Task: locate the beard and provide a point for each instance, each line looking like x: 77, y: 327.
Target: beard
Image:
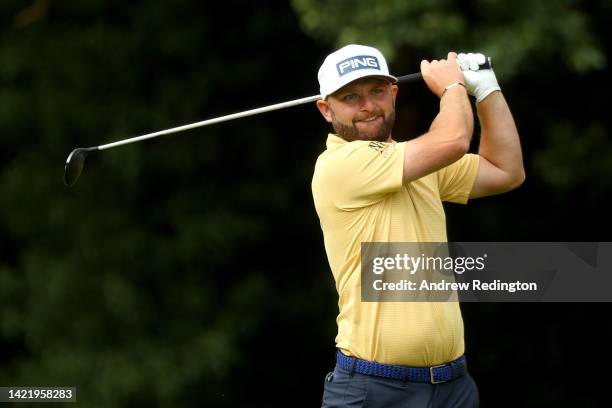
x: 350, y: 132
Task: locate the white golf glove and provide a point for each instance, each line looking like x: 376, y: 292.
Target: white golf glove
x: 479, y: 82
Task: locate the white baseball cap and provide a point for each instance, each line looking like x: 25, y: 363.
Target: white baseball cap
x: 350, y: 63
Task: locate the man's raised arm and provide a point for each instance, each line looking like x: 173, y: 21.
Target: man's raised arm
x: 448, y: 138
x: 501, y: 161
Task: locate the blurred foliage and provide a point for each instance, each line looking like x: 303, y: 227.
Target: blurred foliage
x: 518, y: 33
x: 566, y: 148
x: 146, y: 283
x: 190, y: 270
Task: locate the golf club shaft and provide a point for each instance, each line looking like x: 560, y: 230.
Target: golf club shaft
x: 282, y: 105
x: 225, y: 118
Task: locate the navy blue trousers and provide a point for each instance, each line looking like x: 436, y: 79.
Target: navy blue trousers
x: 345, y: 390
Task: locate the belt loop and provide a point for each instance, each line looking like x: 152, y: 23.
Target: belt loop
x: 352, y: 367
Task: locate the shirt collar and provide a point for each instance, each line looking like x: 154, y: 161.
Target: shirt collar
x: 334, y: 141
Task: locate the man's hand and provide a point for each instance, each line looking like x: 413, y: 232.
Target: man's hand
x: 438, y: 74
x: 479, y: 82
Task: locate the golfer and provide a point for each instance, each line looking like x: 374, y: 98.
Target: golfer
x: 369, y: 188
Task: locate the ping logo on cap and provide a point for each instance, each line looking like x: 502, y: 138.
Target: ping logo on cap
x: 358, y: 62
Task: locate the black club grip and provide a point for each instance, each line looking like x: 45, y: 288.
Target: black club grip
x: 418, y: 76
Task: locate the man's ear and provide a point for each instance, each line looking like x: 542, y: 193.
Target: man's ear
x: 324, y: 109
x: 394, y: 89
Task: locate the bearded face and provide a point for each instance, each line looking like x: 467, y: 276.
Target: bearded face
x: 362, y: 110
x: 374, y: 126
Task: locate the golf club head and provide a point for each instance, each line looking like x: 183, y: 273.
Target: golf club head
x: 74, y: 164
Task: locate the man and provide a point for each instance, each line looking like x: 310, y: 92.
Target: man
x: 368, y: 188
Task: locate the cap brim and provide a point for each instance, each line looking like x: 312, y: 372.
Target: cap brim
x: 389, y: 78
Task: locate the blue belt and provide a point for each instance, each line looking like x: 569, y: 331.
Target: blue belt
x: 434, y: 374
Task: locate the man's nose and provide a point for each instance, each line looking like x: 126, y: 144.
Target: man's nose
x: 367, y: 103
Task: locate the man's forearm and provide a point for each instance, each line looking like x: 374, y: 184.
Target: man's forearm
x: 446, y: 141
x: 499, y: 140
x: 448, y: 138
x: 455, y: 119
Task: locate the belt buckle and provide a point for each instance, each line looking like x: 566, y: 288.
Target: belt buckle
x: 431, y: 374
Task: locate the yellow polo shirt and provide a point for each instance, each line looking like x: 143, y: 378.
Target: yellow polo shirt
x: 359, y: 197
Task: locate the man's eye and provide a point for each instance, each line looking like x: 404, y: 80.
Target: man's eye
x: 349, y: 98
x: 377, y: 91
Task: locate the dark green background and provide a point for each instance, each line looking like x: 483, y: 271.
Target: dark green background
x: 190, y: 270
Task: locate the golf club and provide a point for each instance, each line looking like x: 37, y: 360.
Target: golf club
x: 76, y: 159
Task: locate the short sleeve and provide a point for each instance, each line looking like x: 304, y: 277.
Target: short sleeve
x: 455, y: 182
x: 363, y: 173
